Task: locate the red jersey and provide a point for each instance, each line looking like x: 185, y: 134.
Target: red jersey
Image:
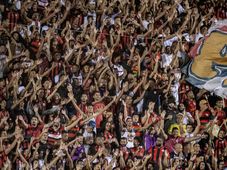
x: 221, y: 115
x: 99, y: 118
x: 83, y: 108
x: 54, y: 137
x: 157, y: 154
x: 171, y: 141
x: 32, y: 131
x: 137, y: 151
x: 108, y: 135
x: 136, y: 127
x: 191, y: 108
x: 125, y: 151
x: 205, y: 118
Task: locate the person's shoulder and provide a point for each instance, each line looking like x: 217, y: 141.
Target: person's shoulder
x: 170, y: 137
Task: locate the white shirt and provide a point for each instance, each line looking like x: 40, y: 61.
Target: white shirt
x: 93, y: 14
x: 170, y: 41
x: 174, y: 90
x: 120, y: 69
x: 166, y: 59
x: 111, y: 18
x: 198, y: 36
x: 145, y: 24
x: 130, y: 137
x: 180, y: 9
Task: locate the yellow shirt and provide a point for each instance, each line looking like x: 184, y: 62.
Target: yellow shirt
x: 175, y: 125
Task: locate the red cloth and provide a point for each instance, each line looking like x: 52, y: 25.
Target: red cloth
x: 54, y: 137
x: 99, y: 118
x: 171, y: 141
x: 221, y: 115
x: 191, y: 108
x: 138, y: 151
x: 136, y: 127
x: 108, y: 135
x: 125, y: 151
x: 13, y: 18
x: 34, y: 131
x: 157, y: 154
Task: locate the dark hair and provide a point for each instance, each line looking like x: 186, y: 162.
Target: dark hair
x: 24, y: 42
x: 190, y: 124
x: 206, y: 167
x: 138, y: 139
x: 175, y: 128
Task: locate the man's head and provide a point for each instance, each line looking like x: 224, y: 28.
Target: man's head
x: 97, y: 96
x: 135, y: 118
x: 159, y: 142
x: 221, y: 165
x: 75, y: 68
x: 191, y: 95
x: 171, y: 103
x: 108, y: 126
x: 56, y: 125
x: 152, y: 130
x: 3, y: 49
x: 99, y: 140
x: 117, y: 21
x: 34, y: 121
x: 203, y: 104
x: 44, y: 137
x: 123, y: 141
x: 129, y: 122
x: 128, y: 100
x: 136, y: 141
x: 79, y: 165
x: 181, y: 107
x: 97, y: 166
x: 179, y: 118
x: 80, y: 138
x: 175, y: 132
x: 189, y: 128
x: 219, y: 103
x: 131, y: 29
x: 3, y: 105
x: 65, y: 136
x: 84, y: 98
x: 151, y: 105
x: 47, y: 84
x: 90, y: 109
x: 36, y: 16
x: 90, y: 19
x: 178, y: 148
x: 221, y: 134
x: 196, y: 148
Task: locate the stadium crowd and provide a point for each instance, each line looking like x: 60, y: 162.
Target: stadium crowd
x: 97, y: 84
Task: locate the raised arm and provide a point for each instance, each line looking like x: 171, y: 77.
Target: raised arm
x: 162, y: 125
x: 71, y: 96
x: 196, y: 131
x: 74, y: 123
x: 193, y: 139
x: 24, y: 124
x: 56, y: 88
x: 50, y: 16
x: 99, y: 112
x: 12, y: 145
